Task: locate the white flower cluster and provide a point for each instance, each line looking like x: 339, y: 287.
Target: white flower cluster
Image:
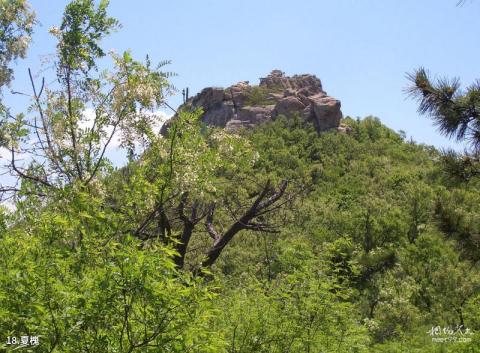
x: 55, y: 31
x: 20, y: 45
x: 146, y: 94
x: 371, y: 324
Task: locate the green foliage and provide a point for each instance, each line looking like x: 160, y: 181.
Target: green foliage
x: 382, y: 218
x: 106, y: 294
x: 461, y: 168
x: 374, y: 251
x: 371, y: 245
x: 71, y: 124
x: 16, y: 26
x: 458, y: 216
x: 454, y: 112
x: 259, y: 96
x: 82, y: 28
x: 299, y: 312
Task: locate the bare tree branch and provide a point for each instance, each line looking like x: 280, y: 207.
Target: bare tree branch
x: 260, y: 205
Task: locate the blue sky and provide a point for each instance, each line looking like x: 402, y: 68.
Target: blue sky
x: 361, y: 50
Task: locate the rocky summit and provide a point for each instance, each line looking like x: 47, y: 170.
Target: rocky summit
x: 244, y: 106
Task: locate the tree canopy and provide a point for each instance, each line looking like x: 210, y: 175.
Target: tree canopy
x: 275, y: 239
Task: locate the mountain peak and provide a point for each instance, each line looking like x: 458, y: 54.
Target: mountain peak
x: 243, y: 105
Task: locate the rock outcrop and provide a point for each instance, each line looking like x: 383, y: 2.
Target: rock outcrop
x: 244, y: 106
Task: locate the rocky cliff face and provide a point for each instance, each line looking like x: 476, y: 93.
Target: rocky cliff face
x: 244, y: 106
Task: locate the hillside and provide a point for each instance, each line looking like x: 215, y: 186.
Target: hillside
x: 258, y: 219
x: 375, y: 246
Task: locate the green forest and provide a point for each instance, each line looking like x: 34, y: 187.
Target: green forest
x: 274, y: 239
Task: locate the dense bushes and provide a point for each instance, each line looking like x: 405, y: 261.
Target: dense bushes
x: 373, y: 252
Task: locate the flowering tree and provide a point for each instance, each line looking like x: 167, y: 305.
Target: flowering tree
x: 64, y: 145
x: 101, y: 250
x: 175, y: 183
x: 16, y: 24
x: 194, y: 183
